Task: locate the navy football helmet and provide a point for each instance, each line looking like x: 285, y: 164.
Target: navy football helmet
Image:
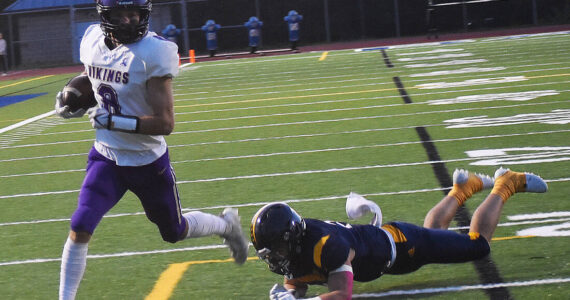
x: 276, y: 231
x: 122, y: 33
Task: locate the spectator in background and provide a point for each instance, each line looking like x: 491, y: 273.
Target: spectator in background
x: 211, y: 29
x: 293, y: 19
x: 3, y: 61
x: 171, y: 33
x: 254, y: 31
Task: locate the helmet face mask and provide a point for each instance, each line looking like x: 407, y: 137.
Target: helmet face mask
x: 276, y: 232
x: 277, y: 262
x: 117, y: 31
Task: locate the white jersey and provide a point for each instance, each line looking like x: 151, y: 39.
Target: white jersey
x: 119, y: 79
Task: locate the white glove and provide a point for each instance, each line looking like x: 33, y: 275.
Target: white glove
x: 63, y: 110
x: 278, y: 292
x: 99, y: 117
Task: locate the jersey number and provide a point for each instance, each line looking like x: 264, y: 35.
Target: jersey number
x: 110, y: 99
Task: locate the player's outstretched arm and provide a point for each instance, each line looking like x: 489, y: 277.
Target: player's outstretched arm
x: 339, y: 282
x: 161, y: 99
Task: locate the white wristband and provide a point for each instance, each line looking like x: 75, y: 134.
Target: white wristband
x: 124, y: 123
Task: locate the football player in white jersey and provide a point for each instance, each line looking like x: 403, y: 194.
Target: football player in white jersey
x: 131, y: 71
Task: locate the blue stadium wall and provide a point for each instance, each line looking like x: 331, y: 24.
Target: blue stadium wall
x: 44, y: 38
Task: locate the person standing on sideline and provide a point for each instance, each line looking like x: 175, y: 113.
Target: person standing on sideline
x: 293, y: 19
x: 131, y: 71
x: 3, y: 60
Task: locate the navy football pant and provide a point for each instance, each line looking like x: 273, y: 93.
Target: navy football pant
x: 154, y: 184
x: 417, y: 246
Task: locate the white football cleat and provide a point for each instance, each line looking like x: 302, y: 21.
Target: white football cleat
x: 460, y: 176
x: 529, y: 183
x: 235, y: 239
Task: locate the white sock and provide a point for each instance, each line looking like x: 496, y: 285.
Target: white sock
x: 73, y: 262
x: 201, y: 224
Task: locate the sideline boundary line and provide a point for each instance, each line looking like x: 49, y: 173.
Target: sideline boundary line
x: 464, y: 288
x: 26, y: 122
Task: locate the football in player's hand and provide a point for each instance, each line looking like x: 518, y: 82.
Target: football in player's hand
x: 78, y: 93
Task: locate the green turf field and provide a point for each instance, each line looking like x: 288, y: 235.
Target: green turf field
x: 308, y: 129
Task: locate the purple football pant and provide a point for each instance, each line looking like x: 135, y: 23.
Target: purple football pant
x: 154, y: 184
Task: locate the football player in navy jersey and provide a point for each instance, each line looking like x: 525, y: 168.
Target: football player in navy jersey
x: 310, y: 251
x: 131, y: 72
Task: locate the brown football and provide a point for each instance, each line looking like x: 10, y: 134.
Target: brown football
x: 78, y: 93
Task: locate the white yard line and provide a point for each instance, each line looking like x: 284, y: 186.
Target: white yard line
x: 291, y: 76
x: 301, y: 112
x: 209, y: 247
x: 266, y: 85
x: 298, y: 152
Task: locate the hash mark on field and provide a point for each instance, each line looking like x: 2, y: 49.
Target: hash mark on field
x: 431, y: 52
x: 459, y: 71
x: 447, y: 63
x: 443, y: 56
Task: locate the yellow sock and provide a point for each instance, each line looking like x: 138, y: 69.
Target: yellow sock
x: 474, y: 235
x: 508, y: 184
x: 465, y: 190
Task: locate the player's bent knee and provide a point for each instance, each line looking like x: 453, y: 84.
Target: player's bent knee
x: 170, y: 238
x: 172, y: 232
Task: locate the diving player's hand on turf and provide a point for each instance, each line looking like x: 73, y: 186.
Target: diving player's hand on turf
x: 99, y: 117
x: 278, y: 292
x: 64, y: 111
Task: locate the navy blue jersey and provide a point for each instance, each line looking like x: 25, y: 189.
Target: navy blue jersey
x: 325, y: 247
